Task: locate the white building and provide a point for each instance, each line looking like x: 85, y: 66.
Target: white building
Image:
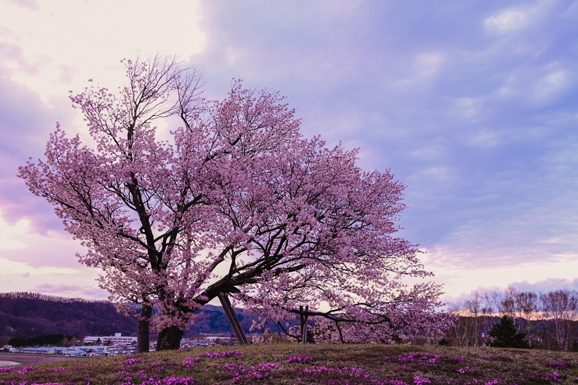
x: 116, y: 339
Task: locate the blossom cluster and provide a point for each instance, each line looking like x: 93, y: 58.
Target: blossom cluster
x: 423, y: 358
x: 254, y: 372
x: 345, y: 371
x: 300, y: 359
x: 190, y: 361
x: 466, y: 370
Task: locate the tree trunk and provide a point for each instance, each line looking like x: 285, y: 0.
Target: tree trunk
x: 170, y: 338
x: 142, y: 329
x: 303, y: 318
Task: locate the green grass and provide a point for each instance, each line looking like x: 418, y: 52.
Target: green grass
x: 318, y: 364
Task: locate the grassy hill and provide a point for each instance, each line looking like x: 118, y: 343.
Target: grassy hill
x: 311, y: 364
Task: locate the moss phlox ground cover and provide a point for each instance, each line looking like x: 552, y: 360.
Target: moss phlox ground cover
x: 310, y: 364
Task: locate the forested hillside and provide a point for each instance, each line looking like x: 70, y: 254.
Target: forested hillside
x: 33, y: 314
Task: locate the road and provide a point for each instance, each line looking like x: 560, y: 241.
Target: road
x: 34, y: 358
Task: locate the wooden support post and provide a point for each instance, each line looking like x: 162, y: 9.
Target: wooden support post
x: 233, y: 320
x: 303, y: 318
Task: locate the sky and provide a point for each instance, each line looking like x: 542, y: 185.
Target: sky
x: 473, y: 105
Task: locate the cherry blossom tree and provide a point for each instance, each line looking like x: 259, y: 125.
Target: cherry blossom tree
x: 236, y: 202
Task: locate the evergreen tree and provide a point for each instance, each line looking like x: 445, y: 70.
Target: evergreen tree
x: 505, y: 335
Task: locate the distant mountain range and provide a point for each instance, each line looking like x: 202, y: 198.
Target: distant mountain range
x: 33, y: 314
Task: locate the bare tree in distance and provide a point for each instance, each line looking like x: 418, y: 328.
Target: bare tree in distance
x: 474, y: 305
x: 560, y: 309
x: 549, y: 320
x: 527, y: 304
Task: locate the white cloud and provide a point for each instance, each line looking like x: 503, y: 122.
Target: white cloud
x: 551, y: 85
x: 71, y: 290
x: 428, y: 153
x: 10, y: 234
x: 424, y: 67
x: 468, y: 108
x: 428, y: 64
x: 21, y: 276
x: 19, y: 242
x: 546, y: 285
x: 437, y: 174
x: 506, y: 21
x: 483, y: 138
x: 21, y: 268
x: 537, y: 86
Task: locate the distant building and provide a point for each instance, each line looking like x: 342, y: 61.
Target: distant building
x: 116, y: 339
x: 37, y: 350
x: 9, y: 348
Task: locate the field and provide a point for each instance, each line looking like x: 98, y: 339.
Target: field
x: 310, y: 364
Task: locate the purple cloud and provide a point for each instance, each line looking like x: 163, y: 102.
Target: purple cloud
x: 25, y: 122
x: 64, y: 290
x: 547, y: 285
x: 30, y: 4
